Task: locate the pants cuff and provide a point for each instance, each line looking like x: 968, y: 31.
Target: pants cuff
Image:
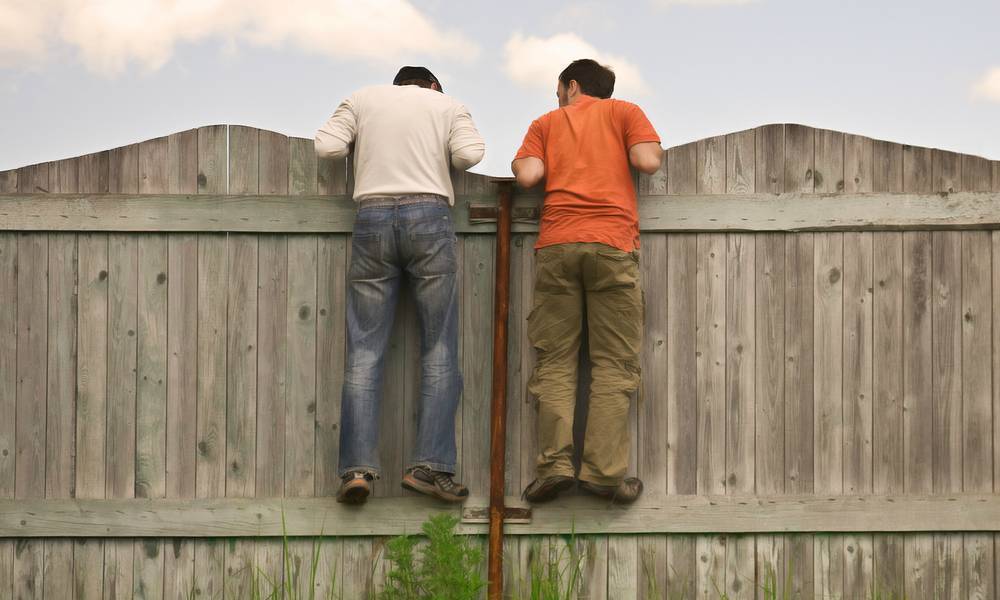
x: 434, y: 466
x: 591, y: 476
x: 360, y: 469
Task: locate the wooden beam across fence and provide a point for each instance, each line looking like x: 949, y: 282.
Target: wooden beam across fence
x: 243, y: 517
x: 335, y: 214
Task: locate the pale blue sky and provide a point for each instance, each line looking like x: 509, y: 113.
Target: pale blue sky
x: 917, y: 72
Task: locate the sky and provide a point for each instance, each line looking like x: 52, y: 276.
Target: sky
x: 78, y: 76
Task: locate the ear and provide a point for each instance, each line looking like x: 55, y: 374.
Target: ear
x: 435, y: 87
x: 573, y: 88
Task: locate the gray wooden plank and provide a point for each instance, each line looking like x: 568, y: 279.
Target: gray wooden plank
x: 977, y: 401
x: 682, y: 444
x: 652, y: 410
x: 477, y: 369
x: 8, y: 181
x: 210, y: 458
x: 121, y: 402
x: 61, y: 385
x: 711, y: 165
x: 710, y: 372
x: 182, y: 399
x: 273, y: 165
x: 799, y: 407
x: 123, y: 166
x: 241, y: 398
x: 203, y: 562
x: 182, y: 163
x: 681, y: 213
x: 740, y: 410
x: 623, y: 568
x: 770, y: 158
x: 946, y: 168
x: 672, y: 514
x: 769, y: 477
x: 272, y: 306
x: 8, y: 387
x: 857, y: 342
x: 151, y: 354
x: 887, y: 387
x: 242, y: 352
x: 887, y: 174
x: 917, y: 172
x: 800, y: 159
x: 244, y: 160
x: 30, y: 443
x: 211, y: 162
x: 975, y: 173
x: 330, y: 352
x: 93, y: 173
x: 859, y: 163
x: 828, y: 425
x: 829, y: 174
x: 91, y: 410
x: 741, y: 162
x: 682, y: 169
x: 947, y: 374
x: 301, y: 375
x: 151, y: 402
x: 917, y: 401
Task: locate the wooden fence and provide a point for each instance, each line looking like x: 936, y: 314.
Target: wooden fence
x: 819, y: 398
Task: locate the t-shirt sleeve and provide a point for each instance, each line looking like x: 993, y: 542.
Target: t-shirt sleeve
x: 638, y: 129
x: 533, y: 144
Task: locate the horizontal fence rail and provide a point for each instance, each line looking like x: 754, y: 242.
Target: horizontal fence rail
x: 335, y: 214
x: 275, y: 517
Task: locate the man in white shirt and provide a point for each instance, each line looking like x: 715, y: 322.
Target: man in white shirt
x: 405, y: 137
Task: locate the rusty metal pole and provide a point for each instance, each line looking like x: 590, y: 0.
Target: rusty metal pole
x: 498, y: 403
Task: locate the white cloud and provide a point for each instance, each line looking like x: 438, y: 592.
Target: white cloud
x: 666, y: 3
x: 111, y: 34
x: 988, y: 87
x: 536, y: 62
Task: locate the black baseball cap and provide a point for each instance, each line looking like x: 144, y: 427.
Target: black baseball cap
x: 423, y: 73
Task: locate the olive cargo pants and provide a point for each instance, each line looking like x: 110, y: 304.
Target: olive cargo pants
x: 574, y: 281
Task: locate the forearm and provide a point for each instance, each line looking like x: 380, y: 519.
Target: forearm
x: 646, y: 157
x: 528, y: 171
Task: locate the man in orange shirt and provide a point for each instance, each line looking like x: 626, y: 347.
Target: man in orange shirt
x: 587, y: 267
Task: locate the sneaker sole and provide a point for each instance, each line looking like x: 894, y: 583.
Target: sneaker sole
x: 420, y: 487
x: 552, y: 492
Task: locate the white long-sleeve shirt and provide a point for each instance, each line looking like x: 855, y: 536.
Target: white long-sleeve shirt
x: 404, y: 139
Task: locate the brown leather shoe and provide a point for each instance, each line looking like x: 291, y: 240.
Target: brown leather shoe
x: 355, y: 487
x: 543, y: 490
x: 626, y: 492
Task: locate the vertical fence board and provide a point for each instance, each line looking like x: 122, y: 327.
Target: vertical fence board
x: 859, y: 163
x: 300, y: 366
x: 8, y: 383
x: 829, y: 405
x: 241, y: 358
x: 158, y: 173
x: 977, y: 388
x: 272, y: 299
x: 61, y: 387
x: 858, y: 290
x: 946, y: 374
x: 121, y: 416
x: 740, y: 412
x: 652, y: 410
x: 829, y: 175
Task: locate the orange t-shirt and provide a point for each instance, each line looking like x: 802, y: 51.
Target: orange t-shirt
x: 589, y: 194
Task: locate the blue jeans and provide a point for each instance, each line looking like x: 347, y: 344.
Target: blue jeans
x: 412, y: 236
